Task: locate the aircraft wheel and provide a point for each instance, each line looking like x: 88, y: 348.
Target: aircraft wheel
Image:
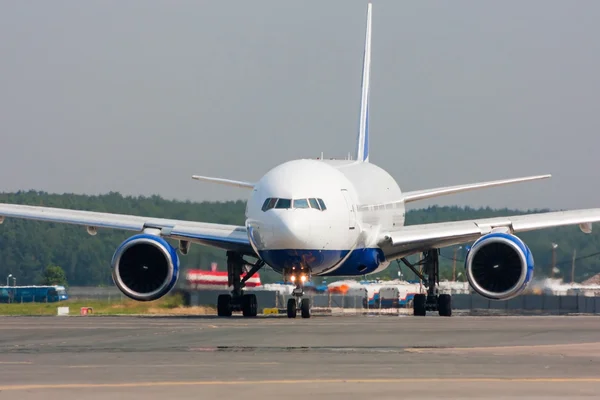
x: 291, y: 308
x: 305, y: 308
x: 445, y: 305
x: 249, y: 305
x: 419, y: 304
x: 224, y: 305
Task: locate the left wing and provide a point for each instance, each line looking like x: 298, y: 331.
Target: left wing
x: 416, y: 238
x: 230, y: 182
x: 228, y: 237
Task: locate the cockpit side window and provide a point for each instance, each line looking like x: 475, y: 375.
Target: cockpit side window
x: 314, y: 203
x: 269, y: 203
x: 265, y: 205
x: 301, y: 203
x: 322, y: 204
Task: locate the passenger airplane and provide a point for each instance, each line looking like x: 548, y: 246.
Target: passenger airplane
x: 315, y: 217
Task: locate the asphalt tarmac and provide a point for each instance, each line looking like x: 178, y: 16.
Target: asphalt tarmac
x: 349, y: 357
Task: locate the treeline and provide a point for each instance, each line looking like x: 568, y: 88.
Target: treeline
x: 28, y: 247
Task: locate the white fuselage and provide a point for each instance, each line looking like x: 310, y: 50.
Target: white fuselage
x: 337, y: 240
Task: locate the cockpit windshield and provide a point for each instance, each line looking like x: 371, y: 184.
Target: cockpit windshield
x: 283, y: 203
x: 271, y: 202
x: 301, y: 203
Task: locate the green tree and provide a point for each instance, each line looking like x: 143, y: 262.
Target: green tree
x: 54, y: 275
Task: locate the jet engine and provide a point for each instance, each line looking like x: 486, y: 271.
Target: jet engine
x: 499, y: 266
x: 145, y: 267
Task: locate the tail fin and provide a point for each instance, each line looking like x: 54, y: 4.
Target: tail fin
x: 362, y: 145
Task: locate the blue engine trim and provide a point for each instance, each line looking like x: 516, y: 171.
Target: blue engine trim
x: 359, y: 262
x: 172, y: 254
x: 524, y: 249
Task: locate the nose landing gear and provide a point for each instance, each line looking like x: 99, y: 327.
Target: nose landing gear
x: 300, y: 277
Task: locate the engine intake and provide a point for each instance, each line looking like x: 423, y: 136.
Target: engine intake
x: 499, y: 266
x: 145, y: 267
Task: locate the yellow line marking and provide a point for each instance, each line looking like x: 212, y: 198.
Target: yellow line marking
x: 294, y: 381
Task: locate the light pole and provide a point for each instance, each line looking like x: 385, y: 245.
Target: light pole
x: 454, y: 263
x: 573, y: 266
x: 7, y: 279
x: 554, y: 246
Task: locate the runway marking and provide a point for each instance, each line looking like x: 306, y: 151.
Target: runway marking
x: 294, y: 382
x: 497, y: 348
x: 163, y: 365
x: 16, y: 362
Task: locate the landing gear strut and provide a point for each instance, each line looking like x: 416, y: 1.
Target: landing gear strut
x: 298, y: 302
x: 433, y: 300
x: 238, y: 300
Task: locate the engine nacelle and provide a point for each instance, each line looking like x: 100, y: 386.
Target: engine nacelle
x: 499, y: 266
x: 145, y: 267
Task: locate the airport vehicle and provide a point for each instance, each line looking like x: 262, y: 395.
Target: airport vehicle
x: 33, y: 294
x: 316, y: 217
x: 201, y: 279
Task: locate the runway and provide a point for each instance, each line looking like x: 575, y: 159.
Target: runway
x: 384, y: 357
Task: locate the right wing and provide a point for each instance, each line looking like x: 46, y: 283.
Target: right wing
x: 408, y: 197
x: 411, y: 239
x: 228, y: 237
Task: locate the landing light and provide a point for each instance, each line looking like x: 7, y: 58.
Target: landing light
x: 303, y: 278
x: 293, y: 278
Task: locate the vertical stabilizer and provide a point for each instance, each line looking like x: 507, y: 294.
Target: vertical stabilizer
x: 362, y: 145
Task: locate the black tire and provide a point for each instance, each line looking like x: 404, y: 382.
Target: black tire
x: 305, y: 308
x: 249, y: 305
x: 419, y: 305
x: 224, y: 305
x: 445, y: 305
x: 291, y: 308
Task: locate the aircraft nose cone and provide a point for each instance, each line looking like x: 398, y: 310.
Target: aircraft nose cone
x: 282, y: 230
x: 294, y: 244
x: 293, y: 231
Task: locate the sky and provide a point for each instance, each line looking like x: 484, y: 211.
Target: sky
x: 137, y: 96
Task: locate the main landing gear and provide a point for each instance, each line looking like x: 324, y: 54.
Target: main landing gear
x: 238, y: 300
x: 297, y: 303
x: 432, y: 301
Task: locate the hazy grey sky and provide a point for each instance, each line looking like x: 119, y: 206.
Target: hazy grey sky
x: 136, y: 96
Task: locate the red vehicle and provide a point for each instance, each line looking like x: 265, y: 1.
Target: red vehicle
x: 202, y: 279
